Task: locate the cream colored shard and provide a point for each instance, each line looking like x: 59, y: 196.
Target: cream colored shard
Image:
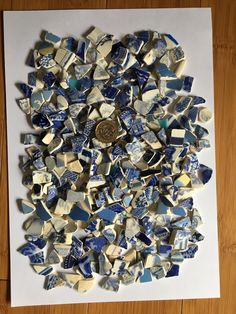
x: 142, y: 165
x: 64, y: 84
x: 153, y: 123
x: 94, y: 115
x: 48, y: 229
x: 45, y: 187
x: 131, y: 61
x: 104, y: 168
x: 90, y: 200
x: 37, y: 57
x: 151, y: 139
x: 166, y: 265
x: 50, y: 163
x: 104, y: 47
x: 71, y: 227
x: 46, y: 49
x: 142, y: 107
x: 71, y: 279
x: 113, y: 250
x: 61, y: 160
x: 152, y: 260
x: 71, y: 157
x: 48, y: 137
x: 150, y: 57
x: 96, y: 35
x: 106, y: 110
x: 204, y: 115
x: 85, y: 204
x: 182, y: 181
x: 81, y: 70
x: 73, y: 196
x: 64, y: 57
x: 98, y: 156
x: 55, y: 70
x: 31, y: 150
x: 96, y: 181
x: 62, y: 103
x: 34, y: 226
x: 25, y: 105
x: 102, y: 63
x: 69, y: 123
x: 100, y: 74
x: 62, y: 249
x: 195, y: 181
x: 184, y: 192
x: 85, y: 285
x: 96, y: 233
x: 171, y: 44
x: 196, y: 219
x: 132, y: 227
x: 75, y: 166
x: 130, y: 256
x: 119, y: 264
x: 60, y: 171
x: 149, y: 95
x: 39, y: 269
x: 165, y: 59
x: 41, y: 177
x: 55, y: 144
x: 53, y: 258
x: 58, y: 223
x: 53, y: 281
x: 63, y: 207
x: 95, y: 96
x: 179, y: 68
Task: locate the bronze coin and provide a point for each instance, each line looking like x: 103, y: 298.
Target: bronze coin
x: 106, y: 131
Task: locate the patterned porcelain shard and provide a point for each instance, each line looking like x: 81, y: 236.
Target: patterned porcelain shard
x: 113, y: 164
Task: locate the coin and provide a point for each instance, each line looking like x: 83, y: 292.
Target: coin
x: 106, y: 131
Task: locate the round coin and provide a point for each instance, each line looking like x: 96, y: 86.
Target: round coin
x: 106, y: 131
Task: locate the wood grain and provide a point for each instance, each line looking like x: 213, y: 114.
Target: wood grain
x: 224, y: 44
x: 4, y: 252
x: 112, y: 4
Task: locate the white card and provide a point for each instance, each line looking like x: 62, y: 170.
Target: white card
x: 199, y: 277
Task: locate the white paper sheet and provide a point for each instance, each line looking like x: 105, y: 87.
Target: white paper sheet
x: 199, y: 278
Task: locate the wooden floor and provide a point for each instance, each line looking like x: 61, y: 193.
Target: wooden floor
x: 224, y: 28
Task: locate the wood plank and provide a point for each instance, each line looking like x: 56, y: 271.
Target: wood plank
x: 5, y: 5
x: 57, y: 4
x: 150, y: 307
x: 4, y: 251
x: 111, y: 4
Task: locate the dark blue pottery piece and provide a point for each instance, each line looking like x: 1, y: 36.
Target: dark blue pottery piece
x: 174, y: 271
x: 27, y: 249
x: 204, y: 173
x: 96, y: 243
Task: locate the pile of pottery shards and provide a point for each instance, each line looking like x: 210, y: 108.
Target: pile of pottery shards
x: 113, y: 161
